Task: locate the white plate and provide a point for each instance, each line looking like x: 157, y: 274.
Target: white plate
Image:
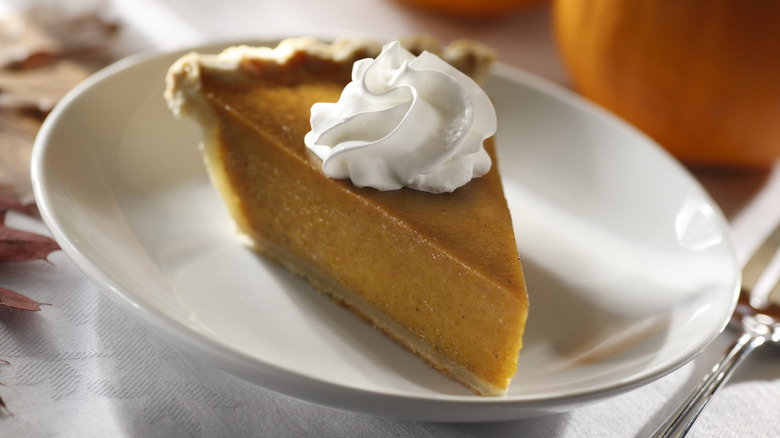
x: 629, y: 263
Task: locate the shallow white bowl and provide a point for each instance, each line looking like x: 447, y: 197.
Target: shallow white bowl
x: 629, y: 263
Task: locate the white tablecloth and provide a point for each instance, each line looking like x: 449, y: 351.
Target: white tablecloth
x: 83, y: 367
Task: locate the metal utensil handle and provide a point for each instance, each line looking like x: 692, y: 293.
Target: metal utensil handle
x: 678, y: 425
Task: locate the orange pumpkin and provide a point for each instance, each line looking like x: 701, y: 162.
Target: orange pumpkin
x: 473, y: 8
x: 702, y: 77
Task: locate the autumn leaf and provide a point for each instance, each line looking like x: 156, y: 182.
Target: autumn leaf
x: 44, y: 35
x: 2, y: 402
x: 22, y: 246
x: 15, y: 300
x: 44, y: 53
x: 10, y: 202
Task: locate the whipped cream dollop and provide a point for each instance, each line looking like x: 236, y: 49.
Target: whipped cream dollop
x: 404, y: 121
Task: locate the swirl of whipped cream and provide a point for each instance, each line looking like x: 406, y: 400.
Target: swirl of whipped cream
x: 404, y: 121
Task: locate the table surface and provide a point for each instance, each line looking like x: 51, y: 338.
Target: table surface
x: 84, y: 367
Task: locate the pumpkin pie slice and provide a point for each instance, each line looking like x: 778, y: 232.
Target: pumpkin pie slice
x: 439, y: 273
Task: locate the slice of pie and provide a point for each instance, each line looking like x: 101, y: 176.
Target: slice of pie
x: 439, y: 273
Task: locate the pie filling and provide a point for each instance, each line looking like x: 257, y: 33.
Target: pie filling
x: 439, y: 273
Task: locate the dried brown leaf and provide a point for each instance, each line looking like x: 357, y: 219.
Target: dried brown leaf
x: 4, y: 406
x: 17, y: 134
x: 2, y: 402
x: 10, y: 202
x: 43, y: 55
x: 22, y: 246
x: 41, y: 88
x: 15, y: 300
x: 46, y: 34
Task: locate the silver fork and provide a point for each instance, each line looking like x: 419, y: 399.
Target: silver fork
x: 758, y: 317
